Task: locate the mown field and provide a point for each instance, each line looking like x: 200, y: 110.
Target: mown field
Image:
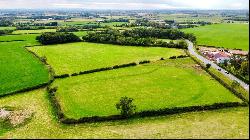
x: 18, y: 68
x: 171, y: 83
x: 76, y: 57
x: 223, y: 123
x: 222, y: 35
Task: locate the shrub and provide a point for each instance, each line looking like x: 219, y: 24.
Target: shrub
x: 172, y: 57
x: 208, y: 66
x: 126, y: 107
x: 144, y: 62
x: 74, y: 74
x: 235, y: 84
x: 62, y: 76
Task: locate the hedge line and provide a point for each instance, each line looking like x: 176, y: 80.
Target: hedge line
x: 26, y: 89
x: 12, y: 40
x: 55, y: 104
x: 114, y: 67
x: 239, y: 95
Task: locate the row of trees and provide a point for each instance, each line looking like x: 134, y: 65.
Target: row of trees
x: 57, y: 37
x: 116, y: 20
x: 4, y: 32
x: 237, y: 66
x: 67, y: 29
x: 138, y: 37
x: 172, y: 34
x: 6, y: 22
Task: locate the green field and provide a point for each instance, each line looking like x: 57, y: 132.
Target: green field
x: 80, y: 33
x: 76, y: 57
x: 222, y: 35
x: 33, y: 31
x: 18, y: 68
x: 25, y: 39
x: 166, y: 84
x: 7, y: 28
x: 223, y: 123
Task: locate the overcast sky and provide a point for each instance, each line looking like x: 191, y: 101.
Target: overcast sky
x: 126, y: 4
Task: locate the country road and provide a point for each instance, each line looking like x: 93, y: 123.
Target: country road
x: 192, y: 51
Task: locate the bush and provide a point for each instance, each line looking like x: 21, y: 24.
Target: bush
x: 126, y: 107
x: 235, y: 84
x: 182, y: 56
x: 144, y: 62
x: 57, y: 37
x: 62, y: 76
x: 172, y: 57
x: 208, y: 66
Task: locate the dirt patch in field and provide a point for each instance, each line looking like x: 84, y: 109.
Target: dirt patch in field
x: 15, y: 117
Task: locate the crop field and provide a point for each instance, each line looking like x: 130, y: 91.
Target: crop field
x: 152, y: 86
x: 18, y: 68
x: 76, y: 57
x: 33, y: 31
x: 222, y: 35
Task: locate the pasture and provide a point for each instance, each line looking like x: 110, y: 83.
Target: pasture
x: 76, y: 57
x: 33, y: 31
x: 165, y: 84
x: 222, y: 35
x: 18, y: 68
x: 223, y: 123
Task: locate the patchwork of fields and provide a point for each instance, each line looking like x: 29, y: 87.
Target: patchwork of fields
x: 222, y: 35
x: 160, y: 84
x: 76, y: 57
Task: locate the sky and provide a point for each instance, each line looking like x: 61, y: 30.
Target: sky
x: 126, y: 4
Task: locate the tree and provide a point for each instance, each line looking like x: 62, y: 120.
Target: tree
x: 208, y: 65
x: 244, y: 69
x: 235, y: 84
x: 126, y: 106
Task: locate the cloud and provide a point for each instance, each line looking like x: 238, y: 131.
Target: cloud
x: 126, y: 4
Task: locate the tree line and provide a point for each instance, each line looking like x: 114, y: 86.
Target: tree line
x: 141, y: 37
x: 57, y: 37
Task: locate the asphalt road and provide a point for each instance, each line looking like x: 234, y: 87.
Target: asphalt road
x: 192, y: 51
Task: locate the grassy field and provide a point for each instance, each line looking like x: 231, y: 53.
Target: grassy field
x: 7, y: 28
x: 80, y: 33
x: 25, y: 39
x: 223, y: 35
x: 18, y: 68
x: 171, y: 83
x: 33, y: 31
x: 225, y: 123
x: 76, y: 57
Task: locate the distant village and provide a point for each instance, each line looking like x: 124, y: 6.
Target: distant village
x: 220, y: 55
